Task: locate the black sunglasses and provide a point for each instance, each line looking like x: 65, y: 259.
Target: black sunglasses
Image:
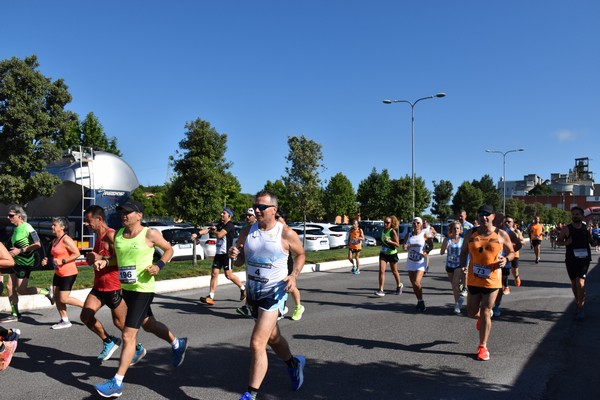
x: 484, y: 214
x: 262, y: 207
x: 11, y: 215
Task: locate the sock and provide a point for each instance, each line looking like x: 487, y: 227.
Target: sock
x: 65, y: 319
x: 175, y: 344
x: 119, y: 379
x: 253, y: 392
x: 211, y: 295
x: 108, y: 339
x: 43, y: 291
x: 243, y: 287
x: 291, y: 363
x: 14, y: 309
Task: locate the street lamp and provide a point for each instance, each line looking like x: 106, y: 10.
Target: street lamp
x: 503, y: 173
x: 412, y: 106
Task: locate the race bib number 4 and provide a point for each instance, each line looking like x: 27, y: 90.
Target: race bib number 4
x: 127, y: 274
x: 481, y: 271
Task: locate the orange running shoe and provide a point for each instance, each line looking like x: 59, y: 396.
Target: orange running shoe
x: 207, y: 300
x: 517, y: 281
x: 482, y: 353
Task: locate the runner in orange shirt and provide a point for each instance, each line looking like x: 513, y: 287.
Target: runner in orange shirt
x: 536, y: 234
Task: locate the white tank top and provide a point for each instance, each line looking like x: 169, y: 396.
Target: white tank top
x: 266, y: 261
x: 416, y: 246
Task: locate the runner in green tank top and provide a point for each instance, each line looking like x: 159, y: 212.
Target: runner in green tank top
x: 134, y: 247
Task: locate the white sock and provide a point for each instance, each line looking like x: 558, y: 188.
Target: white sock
x: 119, y: 379
x: 211, y: 295
x: 65, y: 320
x: 175, y: 344
x: 243, y: 287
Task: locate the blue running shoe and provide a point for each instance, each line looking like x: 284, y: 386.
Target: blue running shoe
x: 246, y: 396
x: 179, y: 354
x: 110, y: 388
x: 109, y: 348
x: 297, y: 373
x: 14, y: 335
x: 140, y: 352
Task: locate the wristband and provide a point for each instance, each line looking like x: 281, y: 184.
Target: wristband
x: 160, y: 264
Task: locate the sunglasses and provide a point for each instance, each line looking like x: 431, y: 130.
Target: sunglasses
x: 11, y: 215
x: 262, y: 207
x: 484, y: 214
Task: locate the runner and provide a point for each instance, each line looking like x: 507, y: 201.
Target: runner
x: 134, y: 248
x: 453, y: 243
x: 24, y: 242
x: 466, y: 225
x: 536, y: 234
x: 8, y: 345
x: 577, y: 239
x: 64, y: 252
x: 509, y: 223
x: 416, y: 262
x: 355, y: 238
x: 265, y: 247
x: 225, y: 233
x: 482, y: 250
x: 250, y: 219
x: 281, y: 216
x: 389, y: 254
x: 107, y: 288
x: 596, y: 237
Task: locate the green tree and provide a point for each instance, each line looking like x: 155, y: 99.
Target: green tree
x: 541, y: 189
x: 442, y: 194
x: 469, y: 198
x: 32, y: 120
x: 491, y: 195
x: 515, y: 208
x: 373, y: 195
x: 279, y: 189
x: 93, y: 135
x: 305, y: 160
x: 154, y: 199
x: 339, y: 197
x: 200, y: 181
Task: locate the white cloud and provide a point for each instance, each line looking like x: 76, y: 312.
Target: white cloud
x: 566, y: 136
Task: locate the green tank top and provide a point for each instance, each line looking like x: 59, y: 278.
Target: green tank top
x: 384, y: 237
x: 133, y: 257
x: 21, y: 238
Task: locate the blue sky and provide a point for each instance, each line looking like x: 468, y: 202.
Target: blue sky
x: 517, y: 74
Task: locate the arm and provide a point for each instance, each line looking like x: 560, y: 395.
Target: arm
x: 464, y: 250
x: 296, y: 249
x: 563, y: 237
x: 236, y: 253
x: 6, y: 260
x: 444, y: 246
x: 72, y: 249
x: 155, y: 239
x: 200, y: 233
x: 508, y: 249
x: 362, y: 235
x: 393, y: 240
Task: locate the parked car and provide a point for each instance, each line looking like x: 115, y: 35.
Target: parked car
x: 372, y: 228
x: 404, y: 231
x: 209, y: 240
x: 338, y: 237
x: 369, y: 241
x: 181, y: 241
x: 315, y: 239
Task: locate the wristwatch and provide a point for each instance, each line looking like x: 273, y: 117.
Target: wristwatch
x: 64, y: 261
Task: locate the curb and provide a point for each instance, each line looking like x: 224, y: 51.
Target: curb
x: 34, y: 302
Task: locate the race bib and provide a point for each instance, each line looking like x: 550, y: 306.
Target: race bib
x: 414, y: 256
x: 355, y: 241
x: 127, y: 274
x: 481, y: 271
x: 580, y: 253
x: 453, y: 259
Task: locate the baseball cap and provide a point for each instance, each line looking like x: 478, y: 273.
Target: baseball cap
x: 131, y: 206
x: 485, y: 209
x: 250, y: 211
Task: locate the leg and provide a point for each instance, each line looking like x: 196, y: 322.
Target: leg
x: 394, y: 268
x: 128, y: 350
x: 454, y: 278
x: 415, y: 280
x: 357, y: 258
x: 90, y: 307
x: 382, y: 265
x: 233, y: 278
x: 263, y: 333
x: 157, y: 328
x: 214, y: 279
x: 487, y: 302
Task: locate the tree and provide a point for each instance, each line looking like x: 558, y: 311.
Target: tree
x: 541, y: 189
x: 154, y: 199
x: 200, y: 182
x: 373, y: 195
x: 93, y: 135
x: 278, y: 189
x: 32, y: 121
x: 491, y: 195
x: 442, y: 194
x: 339, y: 197
x: 469, y: 198
x: 302, y: 180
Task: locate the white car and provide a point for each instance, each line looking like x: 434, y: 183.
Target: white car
x: 180, y: 240
x: 338, y: 237
x: 315, y: 239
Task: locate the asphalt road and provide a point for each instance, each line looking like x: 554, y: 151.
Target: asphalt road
x: 358, y: 346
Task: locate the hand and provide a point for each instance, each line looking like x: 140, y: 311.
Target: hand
x: 291, y: 283
x: 92, y: 257
x: 234, y: 251
x: 502, y: 261
x: 100, y: 264
x: 153, y: 270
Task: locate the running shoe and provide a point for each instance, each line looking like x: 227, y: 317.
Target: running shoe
x: 243, y: 311
x: 140, y: 352
x: 379, y: 293
x: 285, y: 310
x: 580, y: 314
x: 11, y: 318
x: 246, y: 396
x: 496, y: 312
x: 482, y: 353
x: 517, y: 281
x: 109, y: 348
x: 297, y: 373
x: 298, y: 311
x: 456, y: 308
x: 13, y: 335
x: 421, y: 306
x: 110, y: 388
x: 50, y: 295
x: 179, y: 353
x: 242, y: 294
x: 506, y: 290
x: 7, y: 353
x: 353, y: 270
x: 399, y: 288
x: 62, y: 325
x: 357, y: 272
x: 207, y: 300
x: 461, y: 301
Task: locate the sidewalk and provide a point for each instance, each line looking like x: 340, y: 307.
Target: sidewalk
x: 34, y: 302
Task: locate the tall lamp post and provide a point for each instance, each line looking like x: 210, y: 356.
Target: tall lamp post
x: 503, y: 153
x: 412, y: 107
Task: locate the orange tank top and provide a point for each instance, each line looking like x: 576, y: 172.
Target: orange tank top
x: 354, y: 242
x: 60, y: 252
x: 483, y: 261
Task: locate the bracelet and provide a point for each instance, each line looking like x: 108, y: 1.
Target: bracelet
x: 160, y: 264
